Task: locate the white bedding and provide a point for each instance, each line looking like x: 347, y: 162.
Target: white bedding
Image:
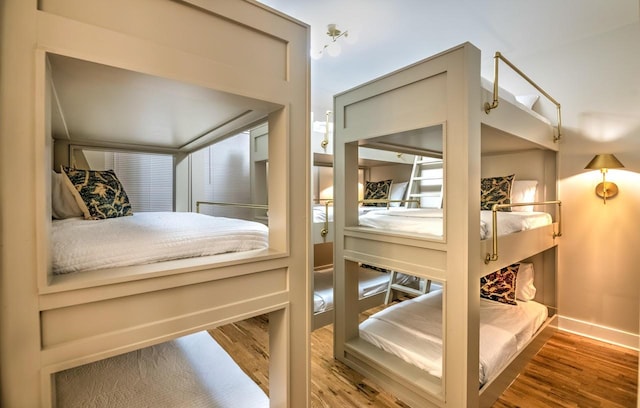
x: 147, y: 237
x: 192, y: 371
x: 370, y: 282
x: 412, y: 330
x: 428, y: 221
x: 320, y: 212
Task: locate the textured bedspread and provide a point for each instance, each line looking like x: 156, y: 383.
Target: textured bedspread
x: 79, y: 245
x: 429, y: 221
x: 192, y: 371
x: 412, y: 330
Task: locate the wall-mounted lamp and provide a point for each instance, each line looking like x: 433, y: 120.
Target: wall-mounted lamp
x: 603, y: 162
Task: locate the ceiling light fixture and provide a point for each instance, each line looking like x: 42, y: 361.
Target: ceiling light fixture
x: 333, y: 48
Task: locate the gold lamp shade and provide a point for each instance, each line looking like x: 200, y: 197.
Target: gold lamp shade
x: 603, y: 162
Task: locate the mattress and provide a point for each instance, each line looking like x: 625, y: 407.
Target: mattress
x: 371, y: 282
x: 192, y: 371
x: 148, y: 237
x: 428, y: 221
x: 412, y: 330
x: 320, y: 212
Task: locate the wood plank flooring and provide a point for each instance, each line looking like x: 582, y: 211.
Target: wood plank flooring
x: 569, y: 371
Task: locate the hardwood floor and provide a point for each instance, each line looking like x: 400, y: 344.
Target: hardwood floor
x: 569, y: 371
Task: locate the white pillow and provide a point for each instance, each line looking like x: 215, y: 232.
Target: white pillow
x: 527, y: 100
x: 523, y: 191
x: 525, y: 290
x: 397, y: 192
x: 63, y: 203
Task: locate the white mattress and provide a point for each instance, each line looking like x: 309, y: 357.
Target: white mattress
x: 428, y: 221
x: 320, y: 212
x: 192, y: 371
x: 147, y: 237
x: 412, y: 330
x: 371, y: 282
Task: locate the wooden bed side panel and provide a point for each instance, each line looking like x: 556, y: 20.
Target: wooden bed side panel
x: 515, y: 247
x: 184, y: 24
x: 87, y: 323
x: 375, y: 115
x: 422, y: 262
x: 513, y: 119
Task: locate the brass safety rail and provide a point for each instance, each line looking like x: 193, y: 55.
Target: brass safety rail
x: 325, y: 229
x: 489, y: 106
x: 237, y: 205
x: 494, y: 215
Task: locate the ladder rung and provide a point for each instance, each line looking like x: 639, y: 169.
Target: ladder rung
x: 428, y: 194
x: 406, y: 289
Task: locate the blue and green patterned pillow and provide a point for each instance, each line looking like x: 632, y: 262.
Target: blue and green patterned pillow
x: 377, y: 190
x: 99, y: 194
x: 500, y: 286
x: 496, y: 190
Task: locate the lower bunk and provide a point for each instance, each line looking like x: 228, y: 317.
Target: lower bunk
x: 191, y: 371
x: 373, y: 289
x: 401, y: 347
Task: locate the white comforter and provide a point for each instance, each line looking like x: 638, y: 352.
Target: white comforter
x: 147, y: 237
x: 428, y: 221
x: 192, y: 371
x: 412, y: 330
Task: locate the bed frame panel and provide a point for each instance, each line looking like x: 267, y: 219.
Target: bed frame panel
x: 63, y: 322
x: 440, y: 90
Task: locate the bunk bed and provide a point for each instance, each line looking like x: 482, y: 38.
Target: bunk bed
x: 159, y: 88
x: 373, y: 283
x: 438, y: 112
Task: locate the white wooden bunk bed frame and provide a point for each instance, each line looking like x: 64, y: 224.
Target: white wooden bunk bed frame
x: 440, y: 91
x: 60, y: 322
x: 323, y: 234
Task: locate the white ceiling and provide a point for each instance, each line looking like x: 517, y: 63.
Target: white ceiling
x: 550, y: 40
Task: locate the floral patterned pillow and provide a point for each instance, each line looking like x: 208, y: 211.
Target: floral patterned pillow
x: 496, y: 190
x: 99, y: 194
x: 377, y: 190
x: 500, y: 286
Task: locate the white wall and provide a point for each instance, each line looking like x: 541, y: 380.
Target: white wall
x: 599, y: 88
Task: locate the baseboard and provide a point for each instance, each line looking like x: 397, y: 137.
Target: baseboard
x: 598, y: 332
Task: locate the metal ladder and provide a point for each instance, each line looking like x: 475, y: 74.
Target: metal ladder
x: 425, y: 185
x: 426, y: 181
x: 424, y: 287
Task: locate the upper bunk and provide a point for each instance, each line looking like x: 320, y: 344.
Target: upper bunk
x: 512, y: 139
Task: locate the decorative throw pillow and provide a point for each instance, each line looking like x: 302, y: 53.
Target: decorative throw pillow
x: 525, y: 288
x: 99, y: 194
x: 500, y: 286
x: 496, y: 190
x: 63, y: 202
x: 377, y: 190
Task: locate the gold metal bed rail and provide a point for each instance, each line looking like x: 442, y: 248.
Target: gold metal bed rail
x: 325, y: 228
x: 238, y: 205
x: 494, y: 218
x: 488, y: 106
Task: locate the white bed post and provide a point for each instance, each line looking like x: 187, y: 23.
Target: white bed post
x: 462, y: 206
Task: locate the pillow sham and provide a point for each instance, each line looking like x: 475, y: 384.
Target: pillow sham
x: 397, y: 193
x: 527, y: 100
x: 99, y: 194
x: 523, y: 191
x: 63, y: 203
x: 378, y: 190
x: 500, y: 286
x: 496, y: 190
x: 525, y: 289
